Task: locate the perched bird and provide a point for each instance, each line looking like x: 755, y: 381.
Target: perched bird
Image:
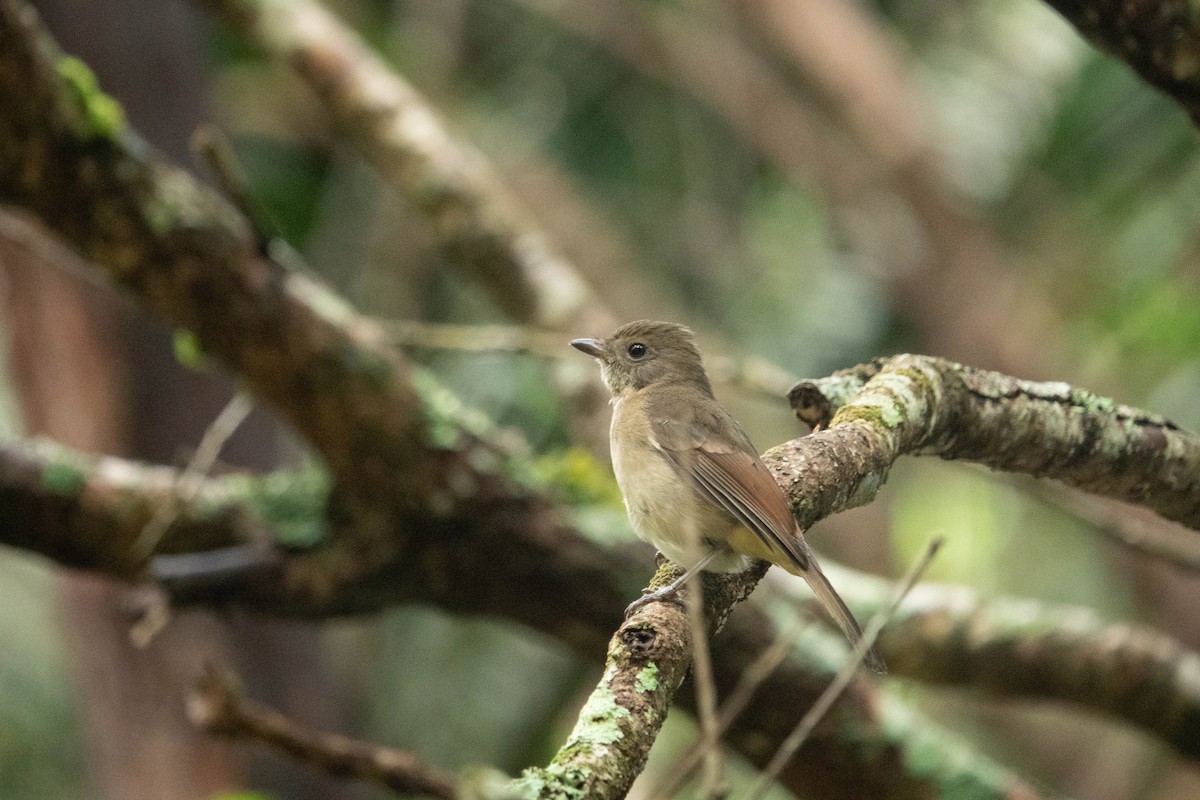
x: 677, y: 453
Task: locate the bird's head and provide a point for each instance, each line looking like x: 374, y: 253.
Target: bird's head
x: 644, y: 353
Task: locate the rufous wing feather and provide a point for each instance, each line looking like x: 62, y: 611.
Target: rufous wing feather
x: 719, y: 460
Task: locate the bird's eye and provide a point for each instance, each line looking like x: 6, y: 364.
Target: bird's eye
x: 637, y: 350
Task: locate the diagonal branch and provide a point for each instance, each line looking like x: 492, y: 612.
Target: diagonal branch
x: 216, y: 706
x: 476, y: 222
x: 187, y: 256
x: 1159, y: 39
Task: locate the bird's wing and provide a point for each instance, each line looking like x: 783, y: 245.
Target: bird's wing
x: 716, y: 455
x: 711, y: 449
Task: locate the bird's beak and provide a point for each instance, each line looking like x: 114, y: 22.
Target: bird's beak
x: 592, y: 347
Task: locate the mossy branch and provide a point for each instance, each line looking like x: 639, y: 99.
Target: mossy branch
x: 921, y: 405
x: 86, y: 511
x: 1010, y: 647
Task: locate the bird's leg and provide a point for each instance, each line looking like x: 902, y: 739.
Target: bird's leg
x: 669, y: 592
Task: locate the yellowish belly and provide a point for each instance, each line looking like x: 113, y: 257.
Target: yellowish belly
x: 657, y: 501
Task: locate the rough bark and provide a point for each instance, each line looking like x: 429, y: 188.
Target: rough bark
x: 1160, y: 40
x: 929, y: 406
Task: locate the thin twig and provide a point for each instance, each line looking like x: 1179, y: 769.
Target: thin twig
x: 751, y: 678
x: 752, y: 375
x: 762, y: 667
x: 801, y: 732
x: 706, y: 692
x: 217, y: 707
x: 1129, y: 526
x: 157, y: 611
x: 519, y: 339
x: 191, y: 480
x: 211, y: 148
x: 702, y: 669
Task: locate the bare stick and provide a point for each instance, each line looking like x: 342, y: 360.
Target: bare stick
x: 702, y: 669
x: 191, y: 480
x: 768, y: 660
x: 1128, y: 526
x: 217, y: 707
x: 519, y: 339
x: 801, y: 732
x: 751, y: 374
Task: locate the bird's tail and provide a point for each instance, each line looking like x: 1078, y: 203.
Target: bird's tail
x: 834, y: 604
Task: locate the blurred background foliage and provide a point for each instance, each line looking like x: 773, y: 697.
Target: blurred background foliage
x: 1085, y: 181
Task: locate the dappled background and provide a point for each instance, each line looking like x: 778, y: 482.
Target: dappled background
x: 810, y: 183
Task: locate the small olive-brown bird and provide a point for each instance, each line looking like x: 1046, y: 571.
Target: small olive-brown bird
x: 670, y: 436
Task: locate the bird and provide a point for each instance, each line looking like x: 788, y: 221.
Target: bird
x: 689, y: 473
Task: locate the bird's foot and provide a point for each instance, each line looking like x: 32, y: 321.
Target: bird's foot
x: 667, y: 594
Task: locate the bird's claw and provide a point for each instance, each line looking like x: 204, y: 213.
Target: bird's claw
x: 668, y: 594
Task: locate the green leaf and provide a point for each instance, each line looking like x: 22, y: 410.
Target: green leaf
x: 188, y: 350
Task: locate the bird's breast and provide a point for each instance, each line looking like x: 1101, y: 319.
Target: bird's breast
x: 658, y: 500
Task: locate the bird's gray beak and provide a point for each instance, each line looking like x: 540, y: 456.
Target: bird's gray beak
x: 592, y: 347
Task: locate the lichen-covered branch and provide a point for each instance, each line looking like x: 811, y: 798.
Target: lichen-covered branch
x: 217, y: 707
x: 187, y: 256
x: 647, y: 660
x: 87, y: 511
x: 951, y: 635
x: 648, y: 657
x: 928, y: 406
x: 1159, y: 39
x: 606, y: 751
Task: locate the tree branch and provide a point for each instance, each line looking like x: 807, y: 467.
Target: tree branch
x: 1160, y: 40
x: 949, y: 635
x: 929, y: 406
x: 217, y: 707
x: 88, y: 512
x: 476, y: 222
x: 572, y: 588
